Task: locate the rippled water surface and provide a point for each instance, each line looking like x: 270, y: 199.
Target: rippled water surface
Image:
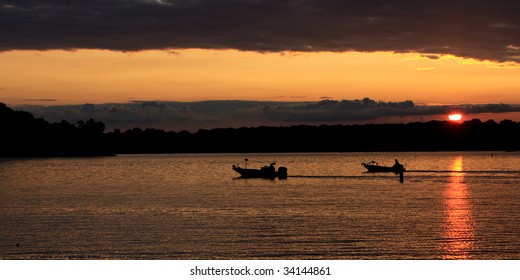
x: 451, y: 206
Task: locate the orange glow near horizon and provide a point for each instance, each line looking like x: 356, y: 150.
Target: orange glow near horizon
x: 459, y: 230
x: 100, y: 76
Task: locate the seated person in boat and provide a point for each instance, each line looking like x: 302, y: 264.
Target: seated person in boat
x: 269, y: 168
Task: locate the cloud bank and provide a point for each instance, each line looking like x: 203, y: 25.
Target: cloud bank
x: 480, y: 29
x: 222, y: 114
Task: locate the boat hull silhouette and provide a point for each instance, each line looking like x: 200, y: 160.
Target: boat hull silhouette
x: 266, y: 173
x: 374, y: 167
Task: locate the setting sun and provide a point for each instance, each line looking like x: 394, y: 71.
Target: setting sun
x: 455, y: 117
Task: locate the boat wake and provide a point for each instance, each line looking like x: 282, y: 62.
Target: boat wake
x: 334, y: 176
x: 465, y: 171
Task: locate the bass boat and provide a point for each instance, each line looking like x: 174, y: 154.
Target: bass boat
x: 267, y: 172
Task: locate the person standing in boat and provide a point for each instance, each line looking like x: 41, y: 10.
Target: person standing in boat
x: 398, y: 166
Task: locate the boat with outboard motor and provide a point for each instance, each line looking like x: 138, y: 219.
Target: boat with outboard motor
x: 267, y: 172
x: 375, y: 167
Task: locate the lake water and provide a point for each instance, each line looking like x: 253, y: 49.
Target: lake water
x: 461, y: 205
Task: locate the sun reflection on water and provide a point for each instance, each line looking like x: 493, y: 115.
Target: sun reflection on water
x: 459, y: 231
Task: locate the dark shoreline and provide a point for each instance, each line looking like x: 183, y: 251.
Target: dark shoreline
x: 26, y: 136
x: 238, y: 153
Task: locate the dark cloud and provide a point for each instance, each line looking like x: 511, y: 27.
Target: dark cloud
x: 432, y: 56
x: 213, y: 114
x: 481, y: 29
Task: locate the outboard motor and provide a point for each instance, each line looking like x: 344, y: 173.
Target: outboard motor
x: 282, y: 172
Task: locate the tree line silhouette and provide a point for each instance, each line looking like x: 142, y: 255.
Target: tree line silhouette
x: 26, y: 136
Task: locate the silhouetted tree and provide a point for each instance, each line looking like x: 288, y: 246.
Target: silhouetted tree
x: 24, y: 135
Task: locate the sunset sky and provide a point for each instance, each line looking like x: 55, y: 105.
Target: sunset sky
x: 64, y: 54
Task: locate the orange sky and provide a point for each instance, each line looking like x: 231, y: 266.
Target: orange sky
x: 97, y: 76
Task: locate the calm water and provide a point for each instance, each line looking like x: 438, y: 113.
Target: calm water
x: 193, y: 207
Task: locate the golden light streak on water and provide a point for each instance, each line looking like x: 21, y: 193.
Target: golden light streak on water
x: 459, y: 230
